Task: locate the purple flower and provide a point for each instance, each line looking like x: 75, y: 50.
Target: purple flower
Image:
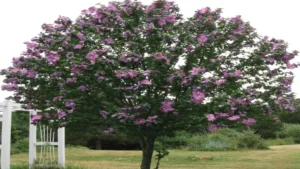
x: 58, y: 98
x: 63, y: 124
x: 147, y: 72
x: 31, y: 45
x: 56, y: 74
x: 71, y: 80
x: 139, y: 121
x: 225, y: 74
x: 78, y: 46
x: 108, y: 41
x: 189, y: 48
x: 59, y: 26
x: 221, y: 115
x: 204, y: 10
x: 103, y: 114
x: 10, y: 87
x: 92, y: 9
x: 276, y: 120
x: 82, y: 88
x: 92, y: 57
x: 233, y: 118
x: 221, y: 58
x: 237, y: 73
x: 211, y: 117
x: 61, y: 115
x: 70, y: 103
x: 249, y: 121
x: 146, y: 82
x: 47, y: 115
x: 109, y: 130
x: 195, y: 71
x: 197, y: 97
x: 151, y: 118
x: 235, y: 19
x: 231, y: 37
x: 80, y: 36
x: 30, y: 73
x: 52, y: 58
x: 36, y: 118
x: 166, y: 106
x: 270, y: 59
x: 220, y: 82
x: 131, y: 73
x: 202, y: 39
x: 100, y: 78
x: 161, y: 22
x: 111, y: 7
x: 170, y: 18
x: 212, y: 127
x: 291, y: 66
x: 149, y: 8
x: 239, y: 30
x: 292, y: 109
x: 160, y: 56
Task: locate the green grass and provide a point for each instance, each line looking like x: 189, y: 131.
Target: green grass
x: 278, y: 157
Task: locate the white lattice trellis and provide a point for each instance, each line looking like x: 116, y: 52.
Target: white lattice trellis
x: 48, y: 139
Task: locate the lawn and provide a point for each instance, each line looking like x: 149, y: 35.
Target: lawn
x: 278, y: 157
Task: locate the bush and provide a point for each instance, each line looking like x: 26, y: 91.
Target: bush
x: 226, y: 139
x: 280, y: 141
x: 267, y: 128
x: 291, y: 130
x: 230, y: 133
x: 210, y: 142
x: 20, y: 146
x: 179, y: 140
x: 250, y: 140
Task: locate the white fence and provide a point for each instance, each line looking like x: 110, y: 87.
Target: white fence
x: 7, y: 108
x: 47, y: 145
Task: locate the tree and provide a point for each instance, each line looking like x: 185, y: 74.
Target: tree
x: 292, y: 118
x: 150, y: 72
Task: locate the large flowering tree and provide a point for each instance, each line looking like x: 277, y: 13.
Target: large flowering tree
x: 150, y: 71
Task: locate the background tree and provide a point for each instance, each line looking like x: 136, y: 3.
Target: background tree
x: 292, y: 118
x: 148, y: 71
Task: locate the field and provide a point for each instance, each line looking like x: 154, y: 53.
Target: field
x: 278, y: 157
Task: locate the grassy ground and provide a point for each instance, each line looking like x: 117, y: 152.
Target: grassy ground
x: 278, y: 157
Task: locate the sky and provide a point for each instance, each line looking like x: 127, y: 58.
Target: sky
x: 21, y: 20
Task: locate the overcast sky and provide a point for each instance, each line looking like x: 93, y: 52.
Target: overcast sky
x: 20, y: 20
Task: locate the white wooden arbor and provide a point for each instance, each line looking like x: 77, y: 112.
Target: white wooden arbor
x: 47, y: 138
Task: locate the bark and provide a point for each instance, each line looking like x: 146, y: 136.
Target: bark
x: 147, y: 144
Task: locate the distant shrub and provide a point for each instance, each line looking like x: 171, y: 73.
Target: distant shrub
x: 210, y: 142
x: 280, y: 141
x: 230, y: 133
x: 20, y: 146
x: 250, y: 140
x: 179, y: 140
x: 226, y: 139
x: 267, y: 128
x: 290, y: 130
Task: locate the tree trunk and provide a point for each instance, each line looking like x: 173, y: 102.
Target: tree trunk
x: 147, y: 144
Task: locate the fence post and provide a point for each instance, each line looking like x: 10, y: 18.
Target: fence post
x: 32, y: 141
x: 61, y: 146
x: 6, y: 135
